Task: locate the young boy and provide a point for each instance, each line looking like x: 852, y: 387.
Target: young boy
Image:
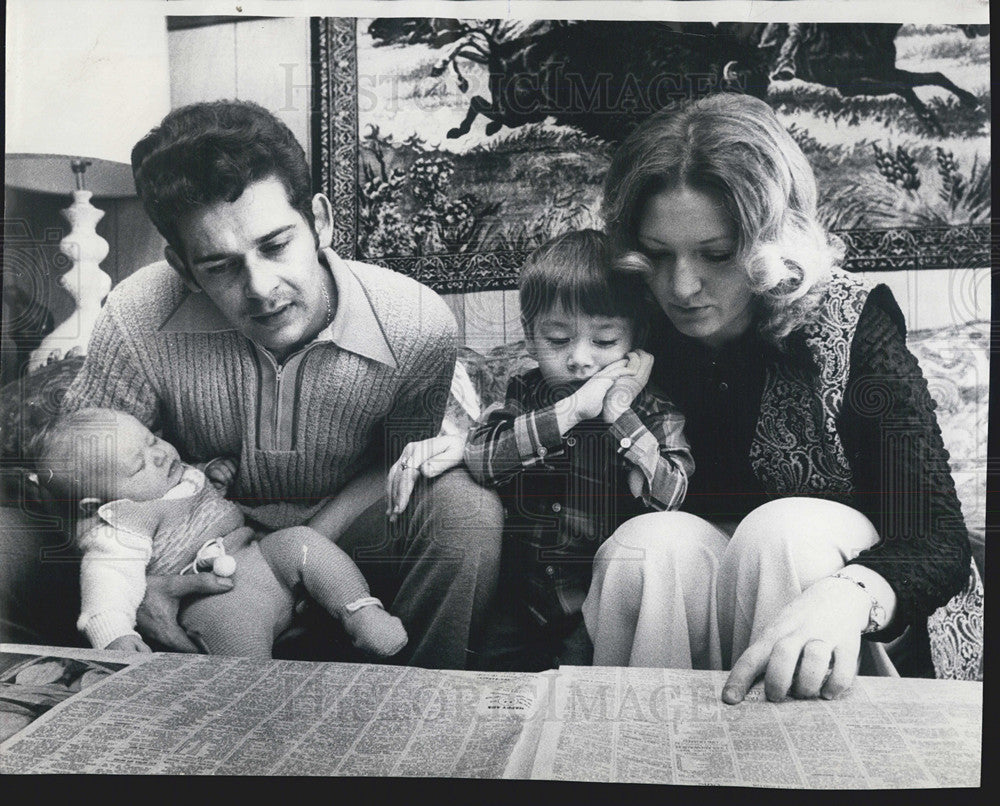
x: 580, y: 444
x: 146, y: 511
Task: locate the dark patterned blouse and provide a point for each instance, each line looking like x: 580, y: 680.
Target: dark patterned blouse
x: 902, y: 481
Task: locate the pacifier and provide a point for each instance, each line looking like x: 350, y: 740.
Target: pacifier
x: 212, y: 557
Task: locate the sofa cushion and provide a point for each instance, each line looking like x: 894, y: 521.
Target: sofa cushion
x: 956, y: 363
x: 27, y: 405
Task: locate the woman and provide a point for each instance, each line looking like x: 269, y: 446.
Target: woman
x: 822, y: 508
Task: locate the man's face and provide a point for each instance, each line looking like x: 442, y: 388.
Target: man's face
x: 257, y: 260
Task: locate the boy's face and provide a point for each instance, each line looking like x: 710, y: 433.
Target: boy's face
x: 126, y: 461
x: 571, y: 347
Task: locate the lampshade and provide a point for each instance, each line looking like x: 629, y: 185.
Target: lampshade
x: 84, y: 80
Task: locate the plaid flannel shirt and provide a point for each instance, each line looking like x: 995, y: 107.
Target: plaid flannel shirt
x: 565, y: 494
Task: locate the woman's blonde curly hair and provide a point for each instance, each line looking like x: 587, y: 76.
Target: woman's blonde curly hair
x: 733, y: 147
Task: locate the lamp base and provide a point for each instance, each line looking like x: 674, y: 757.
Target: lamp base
x: 85, y: 282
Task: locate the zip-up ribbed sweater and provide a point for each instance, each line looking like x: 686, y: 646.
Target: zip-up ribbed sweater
x: 375, y: 379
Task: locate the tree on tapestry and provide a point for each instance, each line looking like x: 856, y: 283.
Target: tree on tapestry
x: 485, y: 136
x: 403, y: 202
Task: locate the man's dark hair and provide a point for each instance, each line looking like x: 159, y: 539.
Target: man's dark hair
x: 574, y: 270
x: 209, y: 152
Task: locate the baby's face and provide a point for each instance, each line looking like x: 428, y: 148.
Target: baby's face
x: 571, y: 347
x: 131, y: 462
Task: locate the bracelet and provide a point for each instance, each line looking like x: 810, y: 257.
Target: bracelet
x: 357, y: 604
x: 876, y: 616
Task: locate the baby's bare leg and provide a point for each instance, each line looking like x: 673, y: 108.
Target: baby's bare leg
x: 301, y: 555
x: 246, y: 620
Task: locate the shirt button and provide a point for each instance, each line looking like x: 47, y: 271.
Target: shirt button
x: 542, y: 451
x: 626, y: 443
x: 723, y: 387
x: 557, y: 507
x: 550, y: 571
x: 571, y: 441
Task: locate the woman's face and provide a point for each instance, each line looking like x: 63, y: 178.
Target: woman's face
x: 691, y: 242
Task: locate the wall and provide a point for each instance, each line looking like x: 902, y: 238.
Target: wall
x: 268, y: 61
x: 217, y: 61
x: 929, y: 299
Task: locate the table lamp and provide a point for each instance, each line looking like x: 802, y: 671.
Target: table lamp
x: 83, y: 86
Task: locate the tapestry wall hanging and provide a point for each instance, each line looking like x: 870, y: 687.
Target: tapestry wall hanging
x: 450, y: 148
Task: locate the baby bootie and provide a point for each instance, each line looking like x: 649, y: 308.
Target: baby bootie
x: 372, y: 629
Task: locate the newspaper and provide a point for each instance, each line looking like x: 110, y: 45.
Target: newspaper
x: 200, y: 715
x: 670, y: 726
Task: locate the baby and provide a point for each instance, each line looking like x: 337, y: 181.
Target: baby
x: 581, y: 443
x: 145, y: 511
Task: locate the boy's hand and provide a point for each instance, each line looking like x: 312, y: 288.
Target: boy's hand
x: 128, y: 643
x: 588, y: 400
x: 627, y: 386
x: 221, y: 473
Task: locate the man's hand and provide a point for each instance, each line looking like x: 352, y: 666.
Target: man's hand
x: 221, y: 473
x: 427, y: 458
x: 810, y: 650
x: 628, y: 385
x: 157, y: 615
x: 128, y: 643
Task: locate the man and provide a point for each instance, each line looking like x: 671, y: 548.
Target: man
x: 258, y: 344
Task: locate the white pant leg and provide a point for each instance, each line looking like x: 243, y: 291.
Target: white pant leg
x: 652, y: 601
x: 776, y: 552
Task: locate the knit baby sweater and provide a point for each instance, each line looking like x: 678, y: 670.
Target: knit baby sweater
x: 127, y: 539
x: 375, y: 379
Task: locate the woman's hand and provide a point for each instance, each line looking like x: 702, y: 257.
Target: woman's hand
x: 428, y: 458
x: 157, y: 615
x: 810, y: 650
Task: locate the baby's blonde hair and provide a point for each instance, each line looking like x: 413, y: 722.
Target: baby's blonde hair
x: 63, y: 452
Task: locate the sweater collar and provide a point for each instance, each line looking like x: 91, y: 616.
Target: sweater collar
x: 355, y: 326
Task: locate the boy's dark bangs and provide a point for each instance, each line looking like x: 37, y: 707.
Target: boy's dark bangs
x: 594, y: 296
x: 573, y: 272
x: 590, y: 293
